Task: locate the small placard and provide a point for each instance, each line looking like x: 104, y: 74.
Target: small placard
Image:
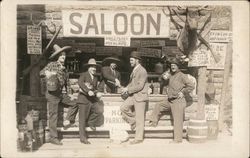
x: 108, y: 50
x: 152, y: 43
x: 220, y: 50
x: 150, y: 52
x: 34, y: 40
x: 122, y: 41
x: 220, y: 36
x: 212, y: 112
x: 198, y: 58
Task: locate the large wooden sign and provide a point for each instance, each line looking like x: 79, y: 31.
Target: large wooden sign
x: 34, y: 40
x: 84, y: 47
x: 150, y: 52
x: 108, y: 51
x: 101, y: 23
x: 171, y: 51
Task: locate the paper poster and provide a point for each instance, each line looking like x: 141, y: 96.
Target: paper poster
x: 117, y: 41
x: 34, y: 40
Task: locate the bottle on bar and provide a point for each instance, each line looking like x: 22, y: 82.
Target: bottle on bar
x: 152, y: 86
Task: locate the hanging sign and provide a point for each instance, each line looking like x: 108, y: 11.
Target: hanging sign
x: 212, y: 112
x: 220, y: 36
x: 103, y: 23
x: 34, y: 40
x: 220, y: 50
x: 108, y: 51
x: 122, y: 41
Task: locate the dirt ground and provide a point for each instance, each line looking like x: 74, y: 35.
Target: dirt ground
x: 100, y: 147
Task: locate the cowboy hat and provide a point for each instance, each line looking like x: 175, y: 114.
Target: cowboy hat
x: 58, y: 50
x: 112, y: 59
x: 175, y: 61
x: 91, y: 62
x: 135, y: 54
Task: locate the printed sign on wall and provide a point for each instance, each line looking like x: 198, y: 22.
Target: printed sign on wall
x: 212, y: 112
x: 34, y: 40
x: 198, y: 58
x: 117, y: 41
x: 220, y: 49
x: 220, y: 36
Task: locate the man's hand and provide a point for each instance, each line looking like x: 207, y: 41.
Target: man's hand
x: 91, y: 93
x: 117, y: 83
x: 124, y: 90
x: 180, y: 95
x: 48, y: 74
x: 98, y: 95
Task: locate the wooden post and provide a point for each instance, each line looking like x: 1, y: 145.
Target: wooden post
x: 34, y: 77
x: 201, y: 88
x: 225, y: 84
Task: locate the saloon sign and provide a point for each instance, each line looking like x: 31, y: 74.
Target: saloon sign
x: 104, y: 23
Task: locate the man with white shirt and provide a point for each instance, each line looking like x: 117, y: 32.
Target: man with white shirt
x: 137, y: 91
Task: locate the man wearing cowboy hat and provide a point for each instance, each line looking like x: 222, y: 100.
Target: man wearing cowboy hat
x: 56, y: 75
x: 90, y: 105
x: 137, y: 91
x: 179, y: 84
x: 110, y: 76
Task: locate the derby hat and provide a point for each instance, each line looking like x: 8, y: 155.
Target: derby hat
x: 58, y: 49
x: 91, y: 62
x: 175, y: 61
x: 135, y: 54
x: 112, y: 59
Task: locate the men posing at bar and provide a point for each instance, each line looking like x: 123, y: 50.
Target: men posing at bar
x: 56, y: 78
x: 90, y: 106
x: 110, y: 76
x: 137, y: 91
x: 178, y: 85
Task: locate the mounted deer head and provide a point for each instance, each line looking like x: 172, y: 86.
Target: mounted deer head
x: 187, y: 40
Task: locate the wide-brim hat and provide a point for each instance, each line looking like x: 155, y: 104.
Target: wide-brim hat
x: 58, y: 49
x: 91, y: 62
x: 112, y: 59
x: 135, y: 54
x: 175, y: 61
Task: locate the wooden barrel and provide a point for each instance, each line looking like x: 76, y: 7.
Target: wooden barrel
x: 197, y: 131
x: 213, y: 129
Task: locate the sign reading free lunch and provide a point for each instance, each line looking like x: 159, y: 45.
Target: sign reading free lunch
x: 105, y: 23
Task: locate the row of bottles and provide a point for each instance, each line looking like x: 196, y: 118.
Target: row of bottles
x: 72, y: 65
x: 155, y: 87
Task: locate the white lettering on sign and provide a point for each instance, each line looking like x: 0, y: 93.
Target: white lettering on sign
x: 103, y: 23
x: 122, y: 41
x: 34, y: 40
x: 220, y: 36
x: 212, y: 112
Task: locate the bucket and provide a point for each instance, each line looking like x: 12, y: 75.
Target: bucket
x: 52, y: 83
x: 197, y: 131
x: 213, y: 129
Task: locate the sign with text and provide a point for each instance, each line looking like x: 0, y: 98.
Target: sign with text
x: 150, y: 52
x: 103, y: 23
x: 220, y: 36
x: 117, y: 41
x: 220, y: 50
x: 34, y: 40
x: 84, y: 47
x: 152, y: 43
x: 212, y: 112
x: 198, y: 58
x: 171, y: 51
x: 108, y: 51
x: 113, y: 117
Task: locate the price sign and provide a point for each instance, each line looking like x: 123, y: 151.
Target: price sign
x: 212, y: 112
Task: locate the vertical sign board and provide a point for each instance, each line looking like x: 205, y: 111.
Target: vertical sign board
x: 212, y: 112
x: 34, y: 40
x: 220, y: 49
x: 112, y: 23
